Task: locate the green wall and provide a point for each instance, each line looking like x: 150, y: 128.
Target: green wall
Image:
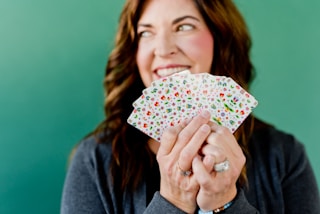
x: 52, y: 59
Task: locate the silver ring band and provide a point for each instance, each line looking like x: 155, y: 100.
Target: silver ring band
x: 183, y: 172
x: 221, y: 167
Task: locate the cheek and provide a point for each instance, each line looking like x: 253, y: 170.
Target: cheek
x: 200, y: 49
x: 144, y: 56
x: 140, y: 58
x: 144, y: 62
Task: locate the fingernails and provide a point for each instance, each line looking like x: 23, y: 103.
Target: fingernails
x: 188, y: 120
x: 196, y: 159
x: 205, y: 114
x: 205, y: 128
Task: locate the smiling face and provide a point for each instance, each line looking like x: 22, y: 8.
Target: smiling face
x: 172, y: 37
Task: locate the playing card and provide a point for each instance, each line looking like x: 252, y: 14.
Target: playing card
x: 168, y: 99
x: 162, y: 99
x: 146, y: 120
x: 191, y: 96
x: 233, y: 103
x: 172, y: 99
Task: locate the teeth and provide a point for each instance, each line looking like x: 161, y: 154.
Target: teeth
x: 170, y: 71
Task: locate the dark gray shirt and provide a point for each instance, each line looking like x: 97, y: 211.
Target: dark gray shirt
x: 280, y: 180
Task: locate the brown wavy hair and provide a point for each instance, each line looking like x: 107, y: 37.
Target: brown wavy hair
x: 131, y: 155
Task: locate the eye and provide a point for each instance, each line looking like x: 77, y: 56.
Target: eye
x: 185, y: 27
x: 144, y: 34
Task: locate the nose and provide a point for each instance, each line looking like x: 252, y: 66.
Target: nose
x: 165, y: 45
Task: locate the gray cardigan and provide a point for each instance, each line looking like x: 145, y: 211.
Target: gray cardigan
x: 279, y: 175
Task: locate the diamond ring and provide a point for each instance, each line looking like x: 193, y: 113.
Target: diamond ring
x: 221, y: 167
x: 183, y: 172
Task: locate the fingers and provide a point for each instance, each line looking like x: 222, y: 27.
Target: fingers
x: 191, y: 149
x: 191, y: 139
x: 178, y: 153
x: 192, y: 127
x: 176, y: 184
x: 215, y: 152
x: 209, y: 180
x: 216, y: 188
x: 208, y: 162
x: 179, y: 144
x: 200, y: 170
x: 222, y: 146
x: 178, y: 189
x: 175, y: 138
x: 169, y: 138
x: 222, y: 135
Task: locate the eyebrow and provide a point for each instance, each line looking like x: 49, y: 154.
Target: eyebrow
x: 175, y: 21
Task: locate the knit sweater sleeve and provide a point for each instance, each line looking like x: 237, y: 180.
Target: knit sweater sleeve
x: 80, y: 193
x: 280, y: 175
x: 241, y: 205
x: 161, y: 205
x: 87, y: 188
x: 300, y: 191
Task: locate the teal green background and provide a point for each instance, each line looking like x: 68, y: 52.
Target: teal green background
x: 52, y: 60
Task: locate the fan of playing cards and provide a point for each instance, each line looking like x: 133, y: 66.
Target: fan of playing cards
x: 172, y: 99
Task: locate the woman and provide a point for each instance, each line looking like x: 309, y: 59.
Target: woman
x: 198, y: 166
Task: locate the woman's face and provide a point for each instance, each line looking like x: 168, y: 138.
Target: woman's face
x: 172, y: 37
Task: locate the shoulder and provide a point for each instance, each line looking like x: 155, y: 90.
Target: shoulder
x: 86, y: 178
x: 278, y: 168
x: 268, y: 138
x: 91, y: 152
x: 277, y: 150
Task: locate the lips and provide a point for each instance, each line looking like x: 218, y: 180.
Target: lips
x: 163, y: 72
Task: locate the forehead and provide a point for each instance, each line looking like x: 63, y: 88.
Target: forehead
x: 168, y: 9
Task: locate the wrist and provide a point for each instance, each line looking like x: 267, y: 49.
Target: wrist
x: 218, y: 210
x: 187, y: 207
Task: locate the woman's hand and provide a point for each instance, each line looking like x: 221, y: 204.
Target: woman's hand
x: 179, y: 145
x: 217, y: 188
